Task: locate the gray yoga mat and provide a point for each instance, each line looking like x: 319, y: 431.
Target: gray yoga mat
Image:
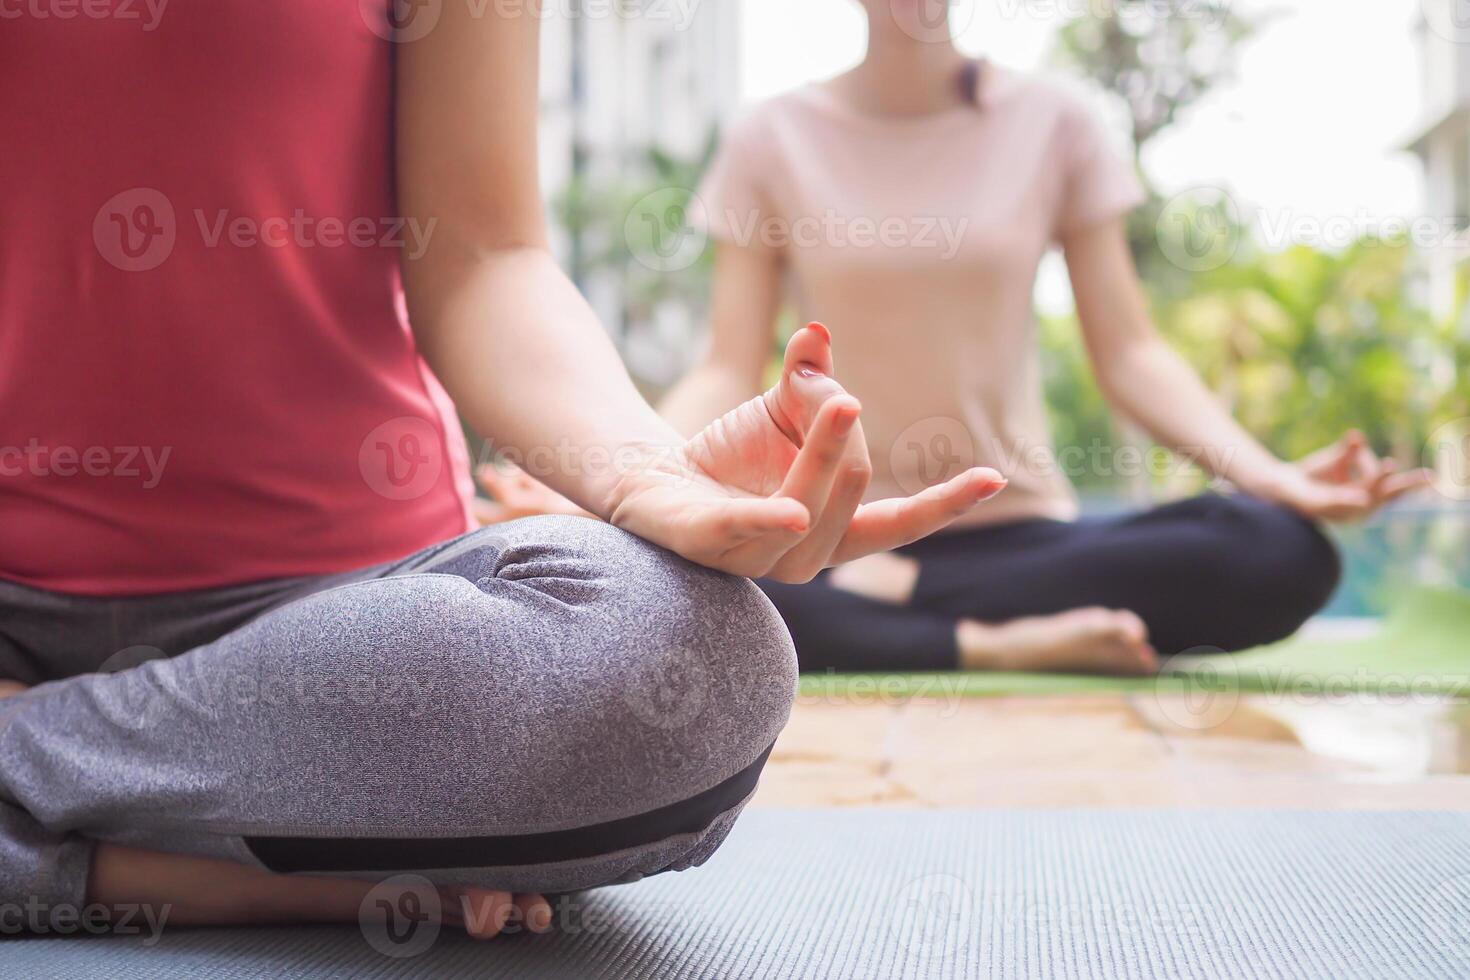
x: 937, y: 894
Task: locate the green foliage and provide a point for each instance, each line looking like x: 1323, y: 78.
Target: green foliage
x: 1307, y: 344
x: 1160, y: 57
x: 1303, y: 343
x: 616, y: 224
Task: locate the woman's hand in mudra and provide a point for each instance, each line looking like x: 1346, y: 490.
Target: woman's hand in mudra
x: 1346, y: 481
x: 775, y: 487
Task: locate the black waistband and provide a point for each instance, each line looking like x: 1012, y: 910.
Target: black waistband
x: 326, y: 854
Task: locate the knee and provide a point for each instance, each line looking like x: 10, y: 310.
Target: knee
x: 698, y: 659
x: 647, y: 679
x: 556, y: 678
x: 1284, y: 562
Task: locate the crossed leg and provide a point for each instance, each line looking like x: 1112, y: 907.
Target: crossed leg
x: 544, y: 706
x: 1112, y: 595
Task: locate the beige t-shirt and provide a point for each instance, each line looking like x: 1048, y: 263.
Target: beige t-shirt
x: 916, y: 241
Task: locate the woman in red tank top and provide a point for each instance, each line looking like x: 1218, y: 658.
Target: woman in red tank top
x: 245, y: 243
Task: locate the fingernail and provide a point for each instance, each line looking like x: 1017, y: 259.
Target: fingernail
x: 808, y: 372
x: 989, y: 485
x: 821, y: 329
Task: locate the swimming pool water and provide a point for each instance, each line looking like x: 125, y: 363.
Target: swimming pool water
x: 1405, y: 546
x: 1410, y: 544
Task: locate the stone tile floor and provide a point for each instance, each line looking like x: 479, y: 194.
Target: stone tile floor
x: 1106, y: 751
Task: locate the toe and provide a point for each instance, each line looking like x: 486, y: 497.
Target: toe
x: 535, y: 912
x: 486, y: 912
x: 1131, y: 627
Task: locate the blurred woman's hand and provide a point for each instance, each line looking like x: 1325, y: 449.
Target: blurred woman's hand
x: 775, y: 487
x: 1346, y: 481
x: 514, y: 494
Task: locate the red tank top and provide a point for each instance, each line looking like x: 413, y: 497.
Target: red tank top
x: 206, y: 372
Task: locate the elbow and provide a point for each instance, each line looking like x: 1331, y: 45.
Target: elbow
x: 1122, y: 369
x: 1112, y: 378
x: 462, y: 246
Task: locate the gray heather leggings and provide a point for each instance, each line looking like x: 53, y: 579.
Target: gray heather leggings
x: 544, y: 706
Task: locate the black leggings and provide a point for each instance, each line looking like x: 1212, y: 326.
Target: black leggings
x: 1222, y: 572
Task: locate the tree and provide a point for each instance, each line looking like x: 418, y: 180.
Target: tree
x: 635, y: 232
x: 1160, y: 57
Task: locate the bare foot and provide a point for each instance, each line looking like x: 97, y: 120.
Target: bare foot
x: 486, y: 914
x: 1080, y: 641
x: 7, y: 688
x: 199, y: 891
x: 883, y: 576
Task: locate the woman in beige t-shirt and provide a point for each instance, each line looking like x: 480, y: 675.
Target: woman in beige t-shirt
x: 907, y: 205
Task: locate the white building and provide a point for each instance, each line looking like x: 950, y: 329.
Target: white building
x: 1443, y: 143
x: 620, y: 77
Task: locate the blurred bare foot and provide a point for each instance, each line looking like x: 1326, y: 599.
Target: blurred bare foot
x: 1080, y: 641
x: 883, y: 576
x: 198, y: 891
x: 7, y: 688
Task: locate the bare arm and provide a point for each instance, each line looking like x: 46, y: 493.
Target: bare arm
x: 508, y: 334
x: 1142, y: 376
x: 774, y: 487
x: 1150, y: 383
x: 747, y: 297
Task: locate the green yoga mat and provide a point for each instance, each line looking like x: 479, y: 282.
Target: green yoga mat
x: 1422, y: 650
